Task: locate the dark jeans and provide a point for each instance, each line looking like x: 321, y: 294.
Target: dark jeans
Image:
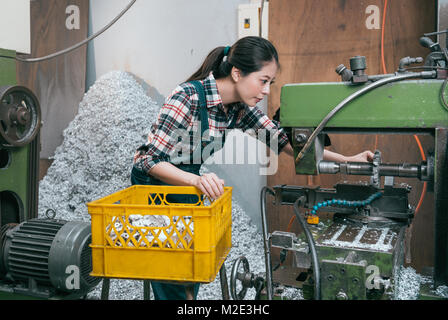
x: 168, y: 291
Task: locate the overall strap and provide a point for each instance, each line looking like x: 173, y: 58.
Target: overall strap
x: 203, y: 103
x: 233, y: 123
x: 196, y: 156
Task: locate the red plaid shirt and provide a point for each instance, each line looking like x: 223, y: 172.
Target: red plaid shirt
x: 181, y: 112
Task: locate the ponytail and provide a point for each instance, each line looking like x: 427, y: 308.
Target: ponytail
x: 249, y: 54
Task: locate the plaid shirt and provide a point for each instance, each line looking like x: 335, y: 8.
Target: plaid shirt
x: 181, y: 111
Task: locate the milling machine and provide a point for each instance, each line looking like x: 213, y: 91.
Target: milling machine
x: 357, y: 253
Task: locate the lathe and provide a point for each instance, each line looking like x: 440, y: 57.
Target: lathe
x: 357, y: 253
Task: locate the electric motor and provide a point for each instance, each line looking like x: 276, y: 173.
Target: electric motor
x: 46, y: 257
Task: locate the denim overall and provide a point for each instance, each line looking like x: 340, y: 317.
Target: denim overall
x: 162, y: 290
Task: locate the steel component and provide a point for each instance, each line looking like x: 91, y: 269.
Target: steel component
x: 19, y: 170
x: 346, y: 74
x: 71, y: 247
x: 411, y: 106
x: 368, y: 231
x: 407, y: 61
x: 146, y: 289
x: 358, y: 63
x: 20, y: 116
x: 266, y: 241
x: 393, y: 203
x: 288, y: 241
x: 3, y: 230
x: 418, y: 110
x: 341, y: 295
x: 431, y: 45
x: 362, y: 91
x: 315, y: 153
x: 310, y: 240
x: 359, y: 259
x: 246, y: 278
x: 343, y: 280
x: 46, y: 256
x: 345, y: 248
x: 358, y: 66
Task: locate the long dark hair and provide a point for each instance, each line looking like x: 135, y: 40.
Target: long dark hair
x: 249, y: 54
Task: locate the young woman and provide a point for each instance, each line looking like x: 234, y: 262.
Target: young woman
x: 231, y: 81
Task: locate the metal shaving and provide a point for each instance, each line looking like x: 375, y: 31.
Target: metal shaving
x: 96, y: 154
x: 380, y: 245
x: 407, y: 284
x: 151, y: 231
x: 289, y: 293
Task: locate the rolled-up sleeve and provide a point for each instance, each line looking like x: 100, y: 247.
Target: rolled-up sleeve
x: 173, y: 116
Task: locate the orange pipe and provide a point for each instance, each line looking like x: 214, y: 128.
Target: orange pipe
x: 383, y: 62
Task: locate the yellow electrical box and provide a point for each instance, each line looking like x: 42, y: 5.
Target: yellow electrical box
x: 137, y: 233
x: 312, y: 219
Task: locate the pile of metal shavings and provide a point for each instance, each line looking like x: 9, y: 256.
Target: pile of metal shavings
x: 289, y: 293
x: 407, y: 284
x: 94, y: 160
x: 442, y: 291
x: 95, y: 157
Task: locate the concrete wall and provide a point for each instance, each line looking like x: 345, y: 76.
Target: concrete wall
x: 15, y: 15
x: 163, y: 43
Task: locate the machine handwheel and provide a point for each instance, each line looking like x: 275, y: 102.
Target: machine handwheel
x: 20, y: 116
x: 245, y: 278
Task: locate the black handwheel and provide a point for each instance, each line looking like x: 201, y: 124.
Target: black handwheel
x: 245, y: 278
x: 20, y: 116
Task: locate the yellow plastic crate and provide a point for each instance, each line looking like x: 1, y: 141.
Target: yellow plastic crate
x: 189, y: 246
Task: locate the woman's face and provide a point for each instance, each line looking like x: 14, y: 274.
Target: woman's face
x: 253, y: 87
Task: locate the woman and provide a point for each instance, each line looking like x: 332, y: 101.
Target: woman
x: 232, y: 80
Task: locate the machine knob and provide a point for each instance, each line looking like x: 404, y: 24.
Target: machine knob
x: 20, y: 116
x: 428, y: 43
x: 358, y: 63
x: 300, y: 138
x: 341, y: 295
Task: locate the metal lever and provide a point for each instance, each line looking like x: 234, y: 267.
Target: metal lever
x: 367, y: 169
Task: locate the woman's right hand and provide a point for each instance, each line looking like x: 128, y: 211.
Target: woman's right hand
x: 210, y: 184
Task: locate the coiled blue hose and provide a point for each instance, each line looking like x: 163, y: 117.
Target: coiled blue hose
x: 345, y: 203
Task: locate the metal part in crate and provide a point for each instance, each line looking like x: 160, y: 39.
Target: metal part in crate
x: 185, y: 242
